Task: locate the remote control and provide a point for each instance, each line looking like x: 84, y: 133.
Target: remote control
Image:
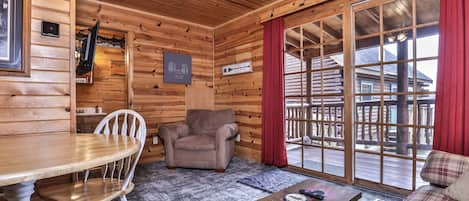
x: 314, y: 194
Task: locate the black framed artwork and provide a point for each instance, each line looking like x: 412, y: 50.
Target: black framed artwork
x: 14, y: 37
x: 177, y: 68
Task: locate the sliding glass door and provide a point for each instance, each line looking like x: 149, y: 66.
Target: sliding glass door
x: 390, y: 50
x: 396, y: 48
x: 315, y: 95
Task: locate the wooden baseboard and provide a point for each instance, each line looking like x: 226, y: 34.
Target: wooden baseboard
x: 220, y: 170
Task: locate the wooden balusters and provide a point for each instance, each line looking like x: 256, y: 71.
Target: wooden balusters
x: 363, y: 125
x: 378, y: 119
x: 419, y: 120
x: 387, y: 117
x: 429, y: 114
x: 370, y: 119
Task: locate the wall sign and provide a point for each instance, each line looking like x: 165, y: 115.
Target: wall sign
x: 14, y: 37
x: 177, y: 68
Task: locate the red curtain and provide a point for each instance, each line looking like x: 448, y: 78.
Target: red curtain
x: 273, y: 132
x: 452, y: 96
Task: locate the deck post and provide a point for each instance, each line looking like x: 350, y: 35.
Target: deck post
x: 308, y: 98
x: 402, y: 102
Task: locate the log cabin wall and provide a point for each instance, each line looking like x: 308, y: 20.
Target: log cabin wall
x: 148, y: 36
x: 241, y: 40
x: 42, y: 102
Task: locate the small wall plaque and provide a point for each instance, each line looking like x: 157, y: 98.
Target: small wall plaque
x: 177, y: 68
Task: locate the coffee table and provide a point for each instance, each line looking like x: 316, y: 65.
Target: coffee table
x: 333, y: 192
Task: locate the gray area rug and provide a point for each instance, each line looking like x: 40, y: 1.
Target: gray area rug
x: 154, y: 182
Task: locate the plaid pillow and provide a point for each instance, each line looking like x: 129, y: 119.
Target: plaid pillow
x: 428, y: 193
x: 443, y: 168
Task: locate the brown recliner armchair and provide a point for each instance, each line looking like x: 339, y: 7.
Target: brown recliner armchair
x: 205, y: 140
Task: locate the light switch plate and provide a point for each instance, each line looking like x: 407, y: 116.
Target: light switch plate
x: 155, y: 140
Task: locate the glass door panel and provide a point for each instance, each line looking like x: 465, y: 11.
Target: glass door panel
x: 316, y: 48
x: 395, y: 70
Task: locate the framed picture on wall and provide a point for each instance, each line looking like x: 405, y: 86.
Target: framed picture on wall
x: 177, y: 68
x: 15, y: 37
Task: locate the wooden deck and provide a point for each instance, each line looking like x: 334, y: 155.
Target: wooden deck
x: 397, y: 172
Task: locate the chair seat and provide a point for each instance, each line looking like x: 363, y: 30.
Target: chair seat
x: 93, y: 189
x: 196, y: 142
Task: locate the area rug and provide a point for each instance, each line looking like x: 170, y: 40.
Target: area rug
x: 155, y: 182
x: 272, y: 181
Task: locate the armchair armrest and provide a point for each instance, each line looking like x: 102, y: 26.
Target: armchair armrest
x: 169, y: 134
x: 227, y: 131
x: 225, y: 147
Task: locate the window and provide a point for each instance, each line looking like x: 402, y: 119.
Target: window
x: 14, y: 37
x: 366, y: 88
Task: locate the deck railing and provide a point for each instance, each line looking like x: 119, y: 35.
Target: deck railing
x: 313, y: 120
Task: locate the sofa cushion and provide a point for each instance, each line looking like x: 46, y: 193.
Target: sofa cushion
x: 196, y: 142
x: 428, y: 193
x: 443, y: 168
x: 458, y: 189
x: 208, y: 121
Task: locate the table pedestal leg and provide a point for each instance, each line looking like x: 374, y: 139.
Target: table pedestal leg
x: 19, y: 192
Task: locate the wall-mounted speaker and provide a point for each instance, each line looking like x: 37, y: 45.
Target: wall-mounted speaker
x: 50, y: 29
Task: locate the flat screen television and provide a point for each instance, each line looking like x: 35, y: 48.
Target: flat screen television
x: 88, y: 51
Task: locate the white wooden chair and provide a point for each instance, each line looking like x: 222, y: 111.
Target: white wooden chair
x: 110, y: 186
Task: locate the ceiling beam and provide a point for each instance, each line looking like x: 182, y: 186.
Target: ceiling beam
x: 308, y: 36
x: 372, y: 15
x: 404, y: 8
x: 287, y: 7
x: 292, y: 41
x: 330, y: 31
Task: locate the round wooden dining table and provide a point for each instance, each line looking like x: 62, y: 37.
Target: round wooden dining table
x: 26, y: 159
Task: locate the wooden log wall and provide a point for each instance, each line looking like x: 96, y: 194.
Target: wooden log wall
x: 109, y: 88
x: 42, y: 102
x: 241, y: 40
x: 148, y: 36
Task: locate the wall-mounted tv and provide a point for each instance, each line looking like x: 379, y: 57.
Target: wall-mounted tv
x: 88, y: 51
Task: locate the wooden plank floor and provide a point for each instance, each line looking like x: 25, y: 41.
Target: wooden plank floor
x: 397, y: 172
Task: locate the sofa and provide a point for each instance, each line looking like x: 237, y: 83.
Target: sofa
x: 441, y: 169
x: 206, y: 140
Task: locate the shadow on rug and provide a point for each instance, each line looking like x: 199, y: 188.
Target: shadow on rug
x: 154, y: 182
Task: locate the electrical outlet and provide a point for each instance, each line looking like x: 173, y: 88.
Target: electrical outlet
x: 155, y: 140
x: 238, y: 138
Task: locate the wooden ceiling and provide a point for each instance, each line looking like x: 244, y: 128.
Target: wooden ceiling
x: 207, y: 12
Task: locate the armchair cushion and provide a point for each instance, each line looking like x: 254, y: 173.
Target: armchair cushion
x: 207, y: 122
x: 196, y: 142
